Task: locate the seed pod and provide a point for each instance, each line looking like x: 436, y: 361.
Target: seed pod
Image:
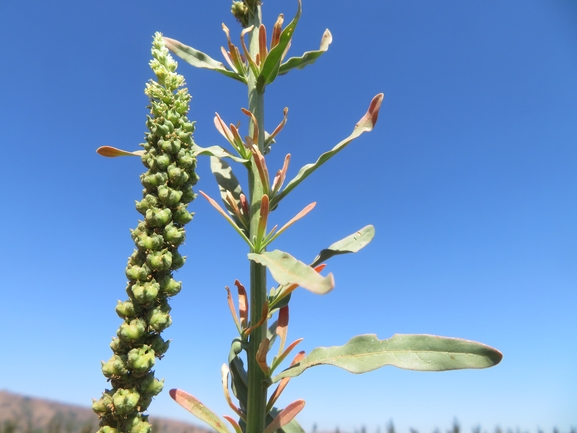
x: 115, y: 366
x: 187, y: 196
x: 146, y: 292
x: 107, y: 429
x: 150, y: 386
x: 125, y: 309
x: 138, y: 425
x: 169, y: 287
x: 168, y: 196
x: 158, y: 217
x: 119, y: 346
x: 184, y: 136
x: 159, y: 260
x: 125, y: 400
x: 160, y: 130
x: 163, y: 161
x: 158, y: 345
x: 174, y: 236
x: 138, y: 273
x: 182, y: 216
x: 152, y: 243
x: 159, y: 320
x: 173, y: 116
x: 133, y: 331
x: 140, y: 359
x: 148, y: 202
x: 177, y: 175
x: 188, y: 126
x: 177, y: 260
x: 102, y: 406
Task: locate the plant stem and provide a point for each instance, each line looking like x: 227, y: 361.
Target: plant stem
x: 257, y: 386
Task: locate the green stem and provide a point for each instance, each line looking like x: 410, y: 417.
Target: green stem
x: 257, y: 381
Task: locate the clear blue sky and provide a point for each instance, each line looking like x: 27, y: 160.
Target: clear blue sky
x: 470, y: 178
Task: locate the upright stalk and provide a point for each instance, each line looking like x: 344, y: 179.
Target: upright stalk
x: 257, y: 387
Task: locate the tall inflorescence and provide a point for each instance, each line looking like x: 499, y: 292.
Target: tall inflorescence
x: 168, y: 183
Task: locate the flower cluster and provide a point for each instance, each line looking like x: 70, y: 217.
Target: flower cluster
x: 168, y: 182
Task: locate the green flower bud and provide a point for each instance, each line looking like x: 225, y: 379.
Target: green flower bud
x: 138, y: 425
x: 158, y: 217
x: 150, y: 386
x: 187, y: 196
x: 177, y: 175
x: 185, y: 137
x: 119, y: 346
x: 168, y: 196
x: 125, y: 309
x: 133, y: 331
x: 146, y: 242
x: 177, y: 260
x: 137, y: 258
x: 159, y: 318
x: 115, y: 367
x: 182, y: 216
x: 160, y: 260
x: 188, y: 126
x: 134, y: 273
x: 173, y: 235
x: 148, y: 202
x: 107, y: 429
x: 141, y: 359
x: 160, y: 130
x: 151, y: 181
x: 169, y: 287
x: 158, y: 344
x: 163, y: 161
x: 145, y: 293
x: 102, y: 406
x: 173, y: 116
x: 125, y: 400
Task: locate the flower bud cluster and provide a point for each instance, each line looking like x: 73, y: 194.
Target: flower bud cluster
x: 167, y: 183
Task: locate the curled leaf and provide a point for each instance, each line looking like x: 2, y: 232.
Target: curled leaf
x: 350, y: 244
x: 285, y: 416
x: 309, y: 57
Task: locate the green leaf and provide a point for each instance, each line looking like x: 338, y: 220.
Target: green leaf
x: 216, y: 151
x: 307, y: 58
x: 350, y: 244
x: 366, y: 124
x: 285, y: 269
x: 365, y: 353
x: 271, y: 66
x: 199, y: 59
x: 199, y: 410
x: 112, y: 152
x: 226, y: 181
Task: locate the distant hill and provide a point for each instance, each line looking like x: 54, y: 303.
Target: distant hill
x: 22, y: 414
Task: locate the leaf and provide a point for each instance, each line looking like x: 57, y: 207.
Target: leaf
x: 366, y: 124
x: 307, y: 58
x: 217, y: 151
x: 350, y: 244
x: 221, y: 211
x: 199, y: 59
x: 226, y: 181
x: 199, y: 410
x: 271, y: 65
x: 285, y: 416
x: 285, y: 269
x: 365, y: 353
x: 112, y: 152
x: 291, y: 427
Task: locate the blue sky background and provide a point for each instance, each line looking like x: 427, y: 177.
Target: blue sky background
x: 470, y: 178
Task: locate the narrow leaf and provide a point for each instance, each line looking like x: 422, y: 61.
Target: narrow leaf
x: 285, y: 416
x: 112, y: 152
x: 221, y: 211
x: 199, y: 410
x: 227, y: 182
x: 232, y: 309
x: 350, y: 244
x: 293, y: 220
x: 242, y: 304
x: 233, y: 422
x: 309, y: 57
x: 285, y: 269
x: 217, y: 151
x: 224, y: 373
x: 366, y: 124
x: 365, y: 353
x: 199, y: 59
x: 270, y: 67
